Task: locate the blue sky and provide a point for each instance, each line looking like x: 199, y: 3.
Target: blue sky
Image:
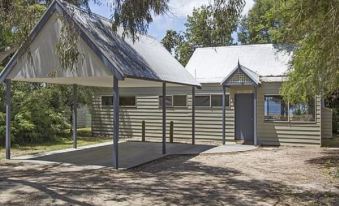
x: 175, y: 19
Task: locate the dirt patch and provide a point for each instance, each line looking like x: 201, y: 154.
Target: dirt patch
x: 267, y: 176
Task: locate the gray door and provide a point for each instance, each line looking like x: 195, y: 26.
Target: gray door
x: 244, y: 117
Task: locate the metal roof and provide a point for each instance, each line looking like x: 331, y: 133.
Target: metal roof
x: 144, y: 59
x: 213, y: 64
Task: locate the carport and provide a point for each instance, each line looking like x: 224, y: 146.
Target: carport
x: 107, y: 60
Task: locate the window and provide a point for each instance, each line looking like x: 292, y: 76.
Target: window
x: 128, y: 101
x: 302, y: 111
x: 275, y: 108
x: 216, y: 100
x: 202, y: 101
x: 106, y: 100
x: 169, y: 101
x: 124, y: 101
x: 179, y: 100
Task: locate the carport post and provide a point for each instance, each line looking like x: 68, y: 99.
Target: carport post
x: 75, y: 115
x: 163, y: 118
x: 223, y: 115
x: 8, y: 102
x: 255, y: 115
x: 115, y: 122
x: 193, y: 115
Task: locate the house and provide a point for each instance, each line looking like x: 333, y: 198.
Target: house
x: 247, y: 77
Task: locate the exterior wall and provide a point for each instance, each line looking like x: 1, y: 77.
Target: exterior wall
x: 326, y: 123
x: 208, y: 120
x: 84, y: 117
x: 285, y: 133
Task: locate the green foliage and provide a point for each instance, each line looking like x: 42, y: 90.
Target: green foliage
x: 40, y: 113
x: 262, y: 24
x: 135, y: 16
x: 312, y: 27
x: 67, y: 46
x: 210, y: 25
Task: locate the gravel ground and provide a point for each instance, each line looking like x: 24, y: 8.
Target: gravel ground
x: 266, y: 176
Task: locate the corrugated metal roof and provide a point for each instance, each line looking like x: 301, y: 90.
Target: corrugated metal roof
x: 213, y: 64
x: 143, y: 59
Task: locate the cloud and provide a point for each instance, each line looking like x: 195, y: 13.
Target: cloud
x: 182, y: 8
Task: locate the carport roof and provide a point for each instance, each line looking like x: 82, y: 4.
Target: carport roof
x: 104, y: 50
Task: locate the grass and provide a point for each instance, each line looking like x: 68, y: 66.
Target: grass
x: 84, y: 139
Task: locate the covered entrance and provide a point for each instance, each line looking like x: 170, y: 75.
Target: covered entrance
x: 243, y: 83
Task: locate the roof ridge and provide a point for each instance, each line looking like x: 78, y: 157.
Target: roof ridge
x: 228, y: 46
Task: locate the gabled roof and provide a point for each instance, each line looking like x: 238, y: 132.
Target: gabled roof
x: 252, y: 76
x: 144, y: 59
x: 213, y: 64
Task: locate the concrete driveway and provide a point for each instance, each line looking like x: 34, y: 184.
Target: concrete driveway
x: 131, y: 154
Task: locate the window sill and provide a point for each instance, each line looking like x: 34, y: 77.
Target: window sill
x: 290, y: 122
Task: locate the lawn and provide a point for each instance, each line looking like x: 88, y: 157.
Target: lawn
x: 84, y: 139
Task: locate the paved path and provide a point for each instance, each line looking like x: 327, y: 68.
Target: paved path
x: 131, y: 154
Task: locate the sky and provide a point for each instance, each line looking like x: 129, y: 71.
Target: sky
x: 175, y: 19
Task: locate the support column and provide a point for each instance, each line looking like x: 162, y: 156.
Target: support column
x: 193, y: 115
x: 223, y: 116
x: 163, y: 118
x: 75, y: 115
x: 116, y: 122
x: 255, y: 115
x: 8, y: 102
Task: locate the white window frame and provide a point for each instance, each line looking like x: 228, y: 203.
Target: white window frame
x: 210, y: 104
x: 288, y: 112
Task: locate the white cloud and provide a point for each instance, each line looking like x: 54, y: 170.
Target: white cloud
x: 182, y: 8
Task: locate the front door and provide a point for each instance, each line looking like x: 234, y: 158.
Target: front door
x: 244, y: 117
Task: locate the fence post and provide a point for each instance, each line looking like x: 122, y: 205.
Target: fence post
x: 171, y: 131
x: 143, y: 130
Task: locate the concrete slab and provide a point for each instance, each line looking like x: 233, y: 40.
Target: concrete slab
x: 131, y: 154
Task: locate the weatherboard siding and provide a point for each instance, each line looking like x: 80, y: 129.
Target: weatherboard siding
x: 208, y: 120
x: 285, y: 133
x: 326, y: 123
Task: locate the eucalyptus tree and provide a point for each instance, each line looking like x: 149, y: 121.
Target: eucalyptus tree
x: 208, y: 25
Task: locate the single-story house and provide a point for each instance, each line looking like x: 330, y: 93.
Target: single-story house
x: 249, y: 78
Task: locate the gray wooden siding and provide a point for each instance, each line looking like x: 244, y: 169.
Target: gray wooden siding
x: 208, y: 120
x: 285, y: 133
x: 326, y: 123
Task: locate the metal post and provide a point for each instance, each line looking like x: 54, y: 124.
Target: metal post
x: 255, y: 115
x: 143, y: 131
x: 75, y: 115
x: 171, y: 131
x: 115, y: 122
x: 163, y: 118
x: 193, y: 115
x: 223, y: 116
x: 8, y: 102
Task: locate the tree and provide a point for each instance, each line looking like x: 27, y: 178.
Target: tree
x: 312, y: 27
x: 209, y: 25
x: 262, y: 24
